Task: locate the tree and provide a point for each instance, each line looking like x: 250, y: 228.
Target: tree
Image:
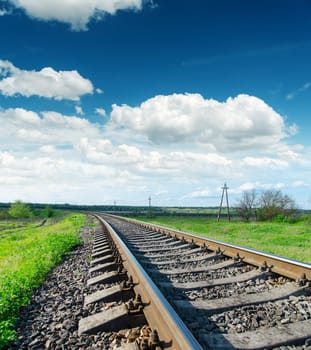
x: 273, y: 203
x: 246, y: 204
x: 48, y: 212
x: 20, y: 210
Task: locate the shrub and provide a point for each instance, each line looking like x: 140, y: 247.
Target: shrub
x: 20, y: 210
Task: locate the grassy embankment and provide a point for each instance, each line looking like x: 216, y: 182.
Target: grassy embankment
x: 27, y: 253
x: 284, y: 239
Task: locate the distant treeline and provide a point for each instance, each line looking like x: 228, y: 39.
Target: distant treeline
x: 131, y: 210
x: 136, y: 210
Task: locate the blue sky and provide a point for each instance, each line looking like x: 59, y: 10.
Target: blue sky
x: 104, y: 101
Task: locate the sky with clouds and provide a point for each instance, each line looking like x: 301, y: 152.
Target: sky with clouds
x: 105, y: 101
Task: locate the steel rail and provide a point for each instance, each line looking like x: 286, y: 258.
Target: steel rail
x: 158, y: 312
x: 283, y: 266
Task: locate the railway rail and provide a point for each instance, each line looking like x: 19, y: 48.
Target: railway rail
x: 195, y: 293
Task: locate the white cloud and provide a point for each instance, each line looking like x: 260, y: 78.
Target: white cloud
x: 264, y: 163
x: 204, y: 193
x: 258, y: 186
x: 243, y: 122
x: 290, y: 155
x: 54, y: 157
x: 47, y: 149
x: 77, y: 13
x: 156, y: 164
x: 79, y: 110
x: 104, y: 152
x: 300, y: 183
x: 293, y: 94
x: 20, y: 128
x: 100, y: 111
x: 56, y: 178
x: 99, y: 91
x: 6, y: 159
x: 248, y: 186
x: 21, y: 116
x: 293, y: 129
x: 32, y: 136
x: 57, y: 120
x: 61, y: 85
x: 4, y: 12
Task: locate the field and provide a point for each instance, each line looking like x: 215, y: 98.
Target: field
x: 28, y: 250
x: 284, y: 239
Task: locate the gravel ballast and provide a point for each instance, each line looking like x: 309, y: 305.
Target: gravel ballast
x: 51, y: 319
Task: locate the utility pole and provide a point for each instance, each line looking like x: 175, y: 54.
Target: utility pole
x: 224, y: 192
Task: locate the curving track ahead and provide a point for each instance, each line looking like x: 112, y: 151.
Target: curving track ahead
x: 213, y: 295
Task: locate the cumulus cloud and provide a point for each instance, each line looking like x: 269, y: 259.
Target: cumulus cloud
x: 20, y: 128
x: 59, y: 85
x: 264, y: 162
x: 289, y: 155
x: 54, y: 178
x: 57, y: 157
x: 47, y: 149
x: 103, y: 151
x: 21, y: 116
x: 79, y: 110
x: 57, y: 120
x: 100, y: 111
x: 243, y: 122
x: 257, y: 186
x: 145, y: 162
x: 77, y: 13
x: 204, y: 193
x: 301, y: 183
x: 32, y: 136
x: 293, y: 129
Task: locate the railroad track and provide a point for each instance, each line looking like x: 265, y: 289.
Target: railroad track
x: 195, y: 293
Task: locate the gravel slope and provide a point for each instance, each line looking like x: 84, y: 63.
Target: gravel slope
x: 51, y: 319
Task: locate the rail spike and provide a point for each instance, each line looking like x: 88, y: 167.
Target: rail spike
x: 193, y: 245
x: 219, y: 251
x: 238, y: 258
x: 265, y: 267
x: 204, y: 247
x: 128, y: 284
x: 155, y: 343
x: 138, y: 304
x: 135, y: 306
x: 302, y: 281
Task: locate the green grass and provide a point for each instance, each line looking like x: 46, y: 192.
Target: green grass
x: 27, y: 253
x: 284, y: 239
